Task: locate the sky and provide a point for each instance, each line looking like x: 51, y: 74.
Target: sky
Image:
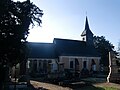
x: 66, y: 19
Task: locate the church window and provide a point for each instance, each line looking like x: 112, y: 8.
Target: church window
x: 83, y: 39
x: 71, y: 64
x: 84, y: 64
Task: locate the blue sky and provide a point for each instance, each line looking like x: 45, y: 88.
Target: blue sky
x: 66, y: 19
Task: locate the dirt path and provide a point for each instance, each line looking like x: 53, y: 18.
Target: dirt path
x: 48, y: 86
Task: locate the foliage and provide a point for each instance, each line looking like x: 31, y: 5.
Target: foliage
x: 15, y: 19
x: 110, y: 88
x: 103, y: 46
x: 119, y: 46
x: 118, y: 62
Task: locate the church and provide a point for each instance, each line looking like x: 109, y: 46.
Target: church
x: 64, y: 54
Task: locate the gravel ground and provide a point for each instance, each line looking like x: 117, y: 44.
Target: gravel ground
x: 48, y: 86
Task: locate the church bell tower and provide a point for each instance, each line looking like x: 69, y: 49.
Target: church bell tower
x: 87, y: 35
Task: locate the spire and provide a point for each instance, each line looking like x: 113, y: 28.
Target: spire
x: 87, y: 35
x: 86, y: 24
x: 87, y: 29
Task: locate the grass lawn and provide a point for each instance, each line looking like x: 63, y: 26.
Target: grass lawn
x: 100, y: 84
x: 110, y: 88
x: 97, y: 88
x: 86, y: 84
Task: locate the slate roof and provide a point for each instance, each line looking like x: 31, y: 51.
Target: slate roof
x: 41, y: 50
x: 61, y: 47
x: 74, y: 48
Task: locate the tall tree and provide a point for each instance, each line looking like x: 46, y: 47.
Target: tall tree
x: 118, y: 56
x: 119, y: 46
x: 15, y: 19
x: 103, y: 46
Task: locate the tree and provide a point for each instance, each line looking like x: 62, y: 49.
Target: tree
x: 104, y: 47
x: 119, y: 46
x: 118, y: 61
x: 15, y: 19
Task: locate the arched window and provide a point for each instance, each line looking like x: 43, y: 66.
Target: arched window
x: 71, y: 64
x: 93, y: 65
x: 76, y: 64
x: 76, y: 61
x: 84, y: 64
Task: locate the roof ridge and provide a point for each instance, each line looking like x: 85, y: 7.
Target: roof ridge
x: 40, y: 43
x: 68, y: 39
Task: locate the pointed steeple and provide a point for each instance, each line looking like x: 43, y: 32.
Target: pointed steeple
x: 87, y: 29
x: 87, y: 35
x: 86, y: 24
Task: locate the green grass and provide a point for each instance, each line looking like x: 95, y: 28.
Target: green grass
x: 98, y: 88
x: 104, y: 88
x: 110, y: 88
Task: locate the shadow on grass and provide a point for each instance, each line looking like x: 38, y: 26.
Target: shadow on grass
x: 73, y: 87
x: 85, y: 84
x: 80, y: 85
x: 89, y: 88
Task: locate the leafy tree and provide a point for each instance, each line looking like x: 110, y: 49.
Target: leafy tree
x: 103, y: 46
x: 118, y: 60
x: 119, y: 46
x: 15, y: 19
